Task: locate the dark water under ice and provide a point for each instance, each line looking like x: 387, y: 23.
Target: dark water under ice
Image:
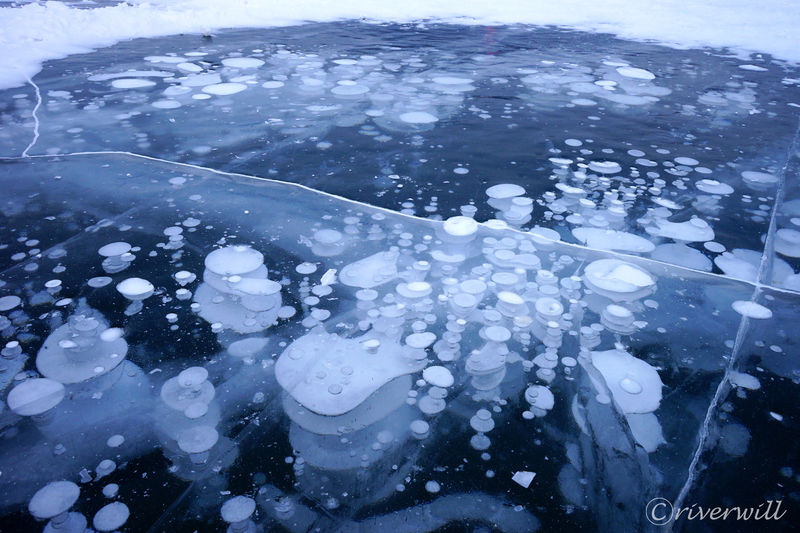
x: 527, y: 110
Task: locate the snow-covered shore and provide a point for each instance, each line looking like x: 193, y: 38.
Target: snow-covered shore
x: 34, y: 33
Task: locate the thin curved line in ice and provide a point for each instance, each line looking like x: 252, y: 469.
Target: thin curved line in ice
x: 620, y: 255
x: 35, y: 117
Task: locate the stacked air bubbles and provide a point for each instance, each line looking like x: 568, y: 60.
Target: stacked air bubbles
x: 511, y: 206
x: 136, y: 290
x: 36, y: 398
x: 617, y: 286
x: 12, y: 360
x: 328, y: 243
x: 482, y: 423
x: 117, y: 256
x: 52, y: 502
x: 346, y: 399
x: 487, y: 366
x: 456, y: 235
x: 237, y: 512
x: 236, y: 293
x: 187, y: 407
x: 83, y: 350
x: 88, y: 358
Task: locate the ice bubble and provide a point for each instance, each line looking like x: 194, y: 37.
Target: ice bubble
x: 497, y: 334
x: 370, y: 271
x: 523, y: 478
x: 646, y: 429
x: 438, y: 376
x: 482, y: 421
x: 224, y: 89
x: 272, y: 84
x: 53, y: 499
x: 752, y: 68
x: 312, y: 364
x: 544, y: 238
x: 418, y: 117
x: 105, y: 467
x: 664, y: 202
x: 694, y: 230
x: 7, y: 303
x: 349, y: 90
x: 111, y: 517
x: 198, y: 439
x: 111, y: 334
x: 743, y: 380
x: 287, y: 311
x: 414, y: 289
x: 504, y: 190
x: 237, y: 509
x: 114, y: 249
x: 683, y: 255
x: 247, y: 347
x: 433, y: 487
x: 688, y: 161
x: 617, y: 279
x: 35, y: 396
x: 759, y: 180
x: 714, y: 187
x: 234, y: 260
x: 751, y: 309
x: 242, y: 62
x: 111, y: 490
x: 635, y: 385
x: 605, y: 167
x: 184, y: 277
x: 193, y: 377
x: 460, y: 226
x: 605, y: 239
x: 540, y: 397
x: 115, y: 441
x: 630, y: 386
x: 451, y: 80
x: 189, y: 67
x: 787, y: 242
x: 420, y: 340
x: 306, y: 268
x: 131, y: 83
x: 734, y: 439
x: 635, y: 73
x: 98, y: 282
x: 135, y: 288
x: 166, y: 104
x: 419, y: 428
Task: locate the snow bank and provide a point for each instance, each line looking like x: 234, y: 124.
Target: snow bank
x: 34, y: 33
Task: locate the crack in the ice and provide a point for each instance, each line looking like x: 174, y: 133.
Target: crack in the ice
x: 764, y: 273
x: 620, y: 255
x: 35, y: 117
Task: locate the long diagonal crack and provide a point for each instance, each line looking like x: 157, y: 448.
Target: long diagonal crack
x: 764, y: 273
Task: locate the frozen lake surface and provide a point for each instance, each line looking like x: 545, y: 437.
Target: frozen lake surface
x: 351, y: 276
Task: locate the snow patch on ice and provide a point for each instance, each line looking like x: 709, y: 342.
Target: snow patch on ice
x: 35, y: 33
